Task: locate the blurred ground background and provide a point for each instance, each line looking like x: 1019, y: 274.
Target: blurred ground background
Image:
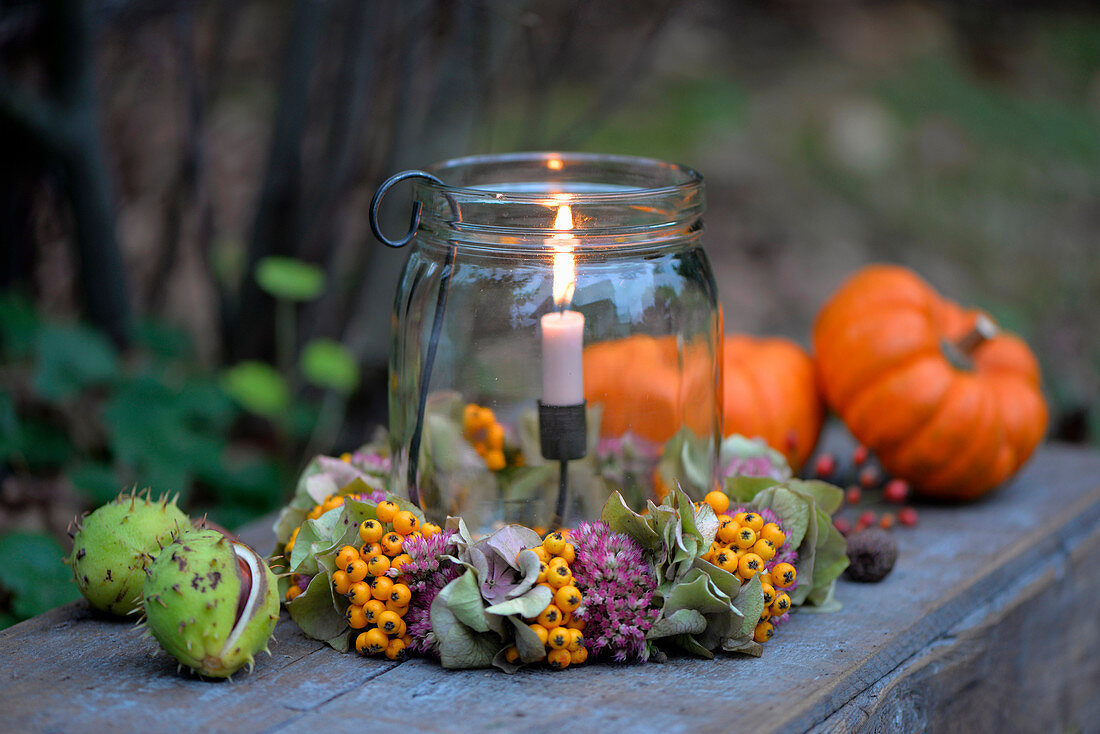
x: 155, y: 155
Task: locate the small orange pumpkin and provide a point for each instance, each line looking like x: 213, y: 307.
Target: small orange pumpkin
x: 638, y: 382
x: 771, y: 392
x: 943, y: 399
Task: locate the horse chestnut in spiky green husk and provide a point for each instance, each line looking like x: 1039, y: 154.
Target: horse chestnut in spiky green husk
x: 114, y: 545
x: 211, y: 602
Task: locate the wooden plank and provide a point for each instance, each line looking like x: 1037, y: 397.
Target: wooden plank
x: 987, y: 600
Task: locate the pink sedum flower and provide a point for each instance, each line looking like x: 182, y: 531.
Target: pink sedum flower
x: 426, y: 572
x: 617, y: 585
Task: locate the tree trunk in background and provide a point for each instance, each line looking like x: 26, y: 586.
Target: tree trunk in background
x: 66, y: 125
x: 278, y: 214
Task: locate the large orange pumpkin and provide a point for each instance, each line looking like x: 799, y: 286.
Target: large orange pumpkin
x: 770, y: 390
x: 943, y: 399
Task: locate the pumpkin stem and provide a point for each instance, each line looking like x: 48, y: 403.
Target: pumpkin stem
x: 960, y: 352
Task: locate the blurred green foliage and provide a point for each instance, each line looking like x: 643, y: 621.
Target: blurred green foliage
x: 75, y: 409
x: 32, y: 575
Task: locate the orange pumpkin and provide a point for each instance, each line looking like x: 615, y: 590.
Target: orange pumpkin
x: 638, y: 381
x: 943, y: 399
x: 771, y: 392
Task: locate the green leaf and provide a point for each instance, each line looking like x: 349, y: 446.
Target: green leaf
x: 257, y: 387
x: 70, y: 358
x: 461, y: 646
x: 622, y: 519
x: 19, y: 325
x: 329, y: 364
x: 743, y: 489
x: 529, y: 605
x: 34, y: 573
x: 465, y: 602
x: 793, y: 510
x: 830, y: 560
x: 98, y: 482
x: 164, y: 341
x: 680, y: 622
x: 315, y: 611
x: 827, y: 496
x: 290, y: 279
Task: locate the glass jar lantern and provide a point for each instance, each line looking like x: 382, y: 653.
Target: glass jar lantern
x: 556, y: 338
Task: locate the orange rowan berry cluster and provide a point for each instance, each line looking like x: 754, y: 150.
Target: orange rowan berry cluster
x: 560, y: 633
x: 746, y: 545
x: 377, y: 601
x: 481, y: 428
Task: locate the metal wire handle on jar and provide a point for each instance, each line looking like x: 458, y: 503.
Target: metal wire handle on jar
x: 440, y: 305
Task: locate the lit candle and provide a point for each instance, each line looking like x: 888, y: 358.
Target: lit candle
x: 563, y: 330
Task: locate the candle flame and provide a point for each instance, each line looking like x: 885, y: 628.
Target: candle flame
x: 565, y: 277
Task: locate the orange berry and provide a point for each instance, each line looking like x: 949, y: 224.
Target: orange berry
x: 567, y: 598
x: 340, y: 582
x: 559, y: 659
x: 542, y: 632
x: 558, y: 638
x: 554, y: 543
x: 371, y: 642
x: 359, y: 593
x: 783, y: 575
x: 568, y: 553
x: 550, y: 617
x: 494, y: 459
x: 357, y: 569
x: 372, y: 609
x: 370, y: 531
x: 404, y: 522
x: 772, y: 532
x: 764, y: 548
x: 386, y: 511
x: 346, y: 555
x: 718, y: 501
x: 400, y: 595
x: 727, y: 533
x: 395, y: 650
x: 381, y: 587
x: 357, y: 620
x: 749, y: 565
x: 745, y: 538
x: 378, y: 565
x: 388, y: 622
x: 392, y: 544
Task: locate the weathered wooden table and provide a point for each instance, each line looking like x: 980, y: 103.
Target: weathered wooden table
x: 989, y: 622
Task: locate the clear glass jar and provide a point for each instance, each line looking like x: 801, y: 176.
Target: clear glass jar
x: 591, y: 266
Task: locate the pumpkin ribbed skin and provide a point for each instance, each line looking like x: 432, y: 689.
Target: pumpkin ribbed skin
x: 643, y: 389
x: 953, y: 432
x: 771, y: 392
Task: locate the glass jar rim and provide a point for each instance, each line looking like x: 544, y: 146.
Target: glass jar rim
x: 513, y: 201
x: 681, y: 178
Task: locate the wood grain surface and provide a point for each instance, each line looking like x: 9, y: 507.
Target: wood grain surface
x: 988, y: 623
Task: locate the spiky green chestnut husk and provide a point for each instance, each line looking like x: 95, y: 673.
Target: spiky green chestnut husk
x: 115, y: 544
x: 210, y: 602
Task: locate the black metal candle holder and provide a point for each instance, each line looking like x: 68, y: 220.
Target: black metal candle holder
x: 563, y: 436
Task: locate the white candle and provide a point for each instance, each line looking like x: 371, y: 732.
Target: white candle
x: 562, y: 358
x: 563, y: 331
